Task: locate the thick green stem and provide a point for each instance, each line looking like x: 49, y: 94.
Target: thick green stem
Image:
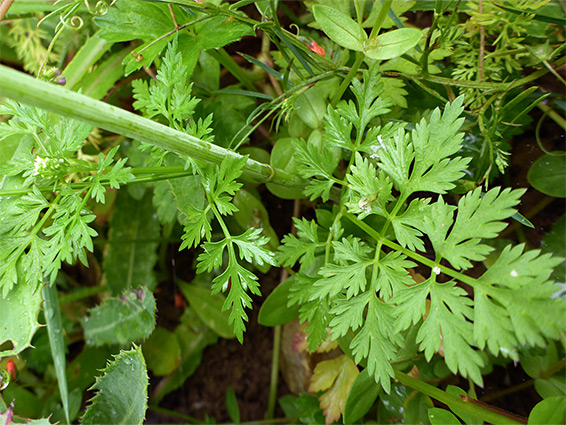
x: 455, y: 403
x: 26, y: 89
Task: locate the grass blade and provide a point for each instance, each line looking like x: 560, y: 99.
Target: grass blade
x: 56, y: 342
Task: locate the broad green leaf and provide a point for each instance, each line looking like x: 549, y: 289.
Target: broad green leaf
x: 416, y: 408
x: 217, y: 32
x: 132, y: 19
x: 361, y: 397
x: 162, y: 352
x: 208, y: 308
x: 548, y: 174
x: 134, y: 237
x: 554, y: 386
x: 121, y: 320
x: 335, y: 378
x: 537, y: 365
x: 393, y: 44
x: 310, y: 106
x: 56, y: 342
x: 283, y: 157
x: 121, y: 396
x: 438, y: 416
x: 18, y: 314
x: 549, y: 411
x: 274, y: 310
x: 340, y: 28
x: 192, y: 343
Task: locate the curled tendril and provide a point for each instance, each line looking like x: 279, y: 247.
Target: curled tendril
x: 101, y: 8
x: 74, y: 22
x: 293, y: 25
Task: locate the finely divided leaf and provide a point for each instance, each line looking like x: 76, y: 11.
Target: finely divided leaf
x: 377, y: 341
x: 301, y: 247
x: 478, y: 217
x: 373, y: 191
x: 448, y: 327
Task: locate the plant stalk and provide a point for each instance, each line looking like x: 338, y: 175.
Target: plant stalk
x: 456, y: 403
x: 26, y: 89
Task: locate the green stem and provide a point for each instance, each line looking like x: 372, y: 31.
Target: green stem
x: 456, y: 403
x: 24, y: 88
x: 82, y: 293
x: 359, y: 59
x: 386, y: 5
x: 417, y: 257
x: 274, y: 373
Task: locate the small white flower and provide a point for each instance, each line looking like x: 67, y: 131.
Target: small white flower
x: 436, y: 270
x: 514, y: 273
x: 39, y: 164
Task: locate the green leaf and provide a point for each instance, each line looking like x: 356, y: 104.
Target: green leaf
x: 134, y: 237
x: 18, y: 314
x: 208, y: 308
x: 340, y: 28
x: 373, y: 191
x: 132, y: 19
x: 316, y: 161
x: 555, y: 243
x: 217, y: 32
x: 302, y: 247
x: 451, y: 312
x: 122, y: 391
x: 98, y: 82
x: 274, y: 310
x: 478, y: 217
x: 57, y: 343
x: 376, y: 340
x: 549, y: 411
x: 121, y: 320
x: 86, y: 57
x: 516, y: 291
x: 548, y: 174
x: 362, y: 396
x: 438, y: 416
x: 393, y: 44
x: 416, y: 408
x: 162, y: 352
x: 232, y: 405
x: 283, y: 157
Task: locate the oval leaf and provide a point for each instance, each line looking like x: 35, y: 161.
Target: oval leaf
x: 361, y: 397
x: 122, y: 391
x: 548, y: 174
x: 339, y: 27
x: 121, y: 320
x: 18, y: 315
x: 438, y: 416
x: 393, y: 44
x: 208, y: 308
x: 549, y: 411
x: 274, y: 310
